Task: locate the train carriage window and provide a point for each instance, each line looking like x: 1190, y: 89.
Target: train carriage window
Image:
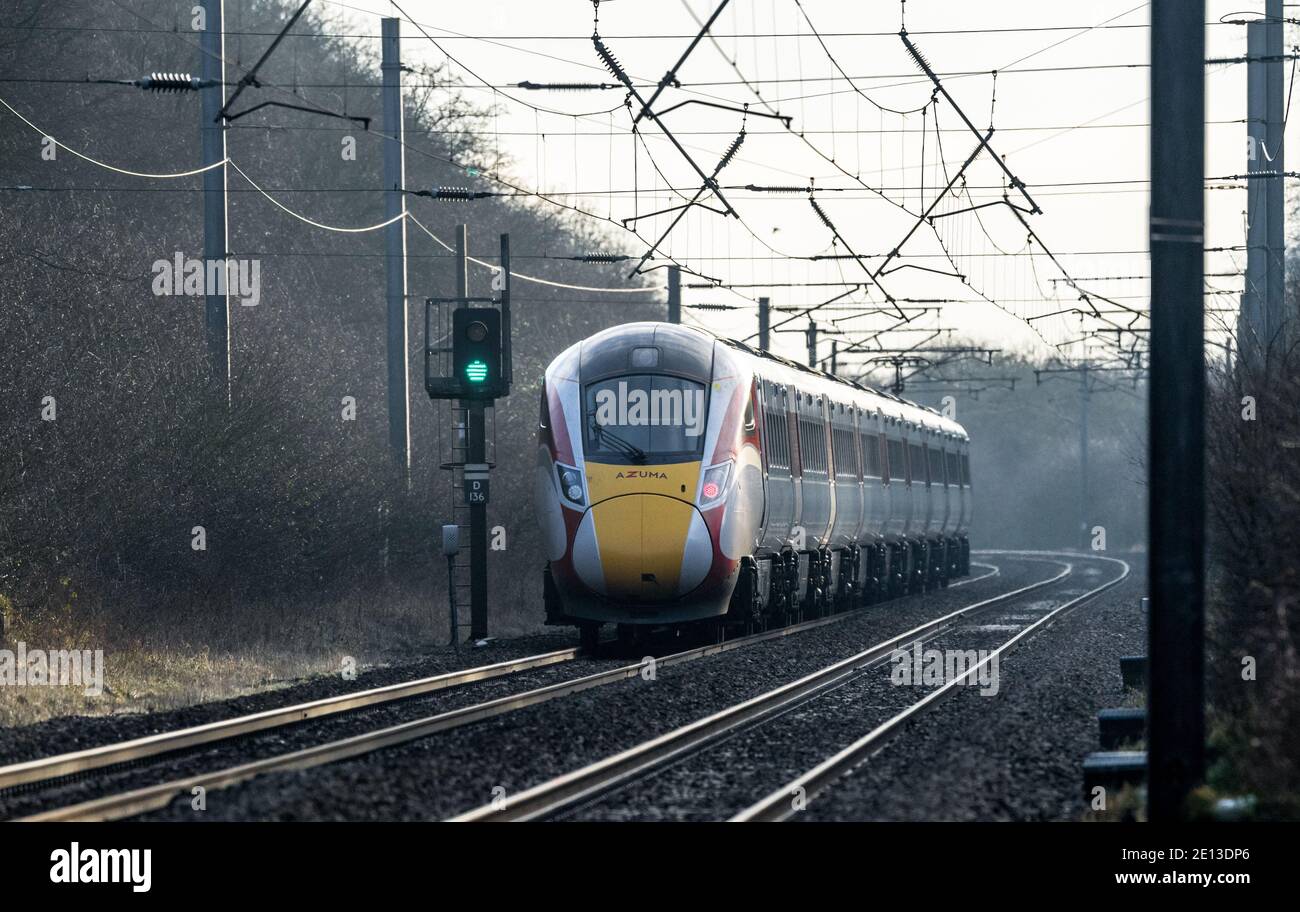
x: 812, y: 446
x: 749, y: 412
x: 846, y: 456
x: 778, y: 439
x: 916, y: 464
x: 871, y: 455
x: 954, y: 469
x: 897, y: 467
x: 936, y: 464
x: 965, y: 469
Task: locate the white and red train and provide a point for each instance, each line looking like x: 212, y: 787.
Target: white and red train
x: 687, y: 478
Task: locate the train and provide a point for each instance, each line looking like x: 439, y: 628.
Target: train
x: 691, y: 481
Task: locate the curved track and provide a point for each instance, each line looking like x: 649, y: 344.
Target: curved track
x: 599, y: 780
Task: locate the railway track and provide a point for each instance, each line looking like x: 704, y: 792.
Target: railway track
x: 778, y: 804
x: 48, y: 769
x: 43, y: 772
x: 607, y: 776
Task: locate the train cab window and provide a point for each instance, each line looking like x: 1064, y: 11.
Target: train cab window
x: 644, y: 418
x: 543, y: 419
x: 749, y: 413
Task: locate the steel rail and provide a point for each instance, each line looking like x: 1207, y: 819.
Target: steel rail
x: 779, y: 805
x: 46, y: 768
x: 148, y: 798
x: 552, y: 796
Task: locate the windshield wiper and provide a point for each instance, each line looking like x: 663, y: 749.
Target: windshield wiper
x: 630, y: 450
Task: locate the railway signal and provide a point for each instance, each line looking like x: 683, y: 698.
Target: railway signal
x: 476, y: 351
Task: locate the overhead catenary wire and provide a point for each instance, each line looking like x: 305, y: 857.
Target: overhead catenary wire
x: 698, y: 249
x: 167, y: 175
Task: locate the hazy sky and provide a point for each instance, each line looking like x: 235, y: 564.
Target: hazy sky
x: 1056, y: 70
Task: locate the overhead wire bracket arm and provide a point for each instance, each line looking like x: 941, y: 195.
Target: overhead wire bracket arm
x: 611, y: 63
x: 725, y: 107
x: 250, y: 78
x: 364, y: 121
x: 983, y: 138
x: 710, y: 183
x: 671, y: 76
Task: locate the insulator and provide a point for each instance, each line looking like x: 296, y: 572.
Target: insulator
x: 610, y: 62
x: 459, y: 194
x: 731, y: 152
x: 777, y: 189
x: 566, y: 86
x: 169, y: 82
x: 822, y: 215
x: 919, y: 59
x: 602, y: 258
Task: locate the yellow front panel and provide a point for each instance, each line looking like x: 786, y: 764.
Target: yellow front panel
x: 676, y: 479
x: 641, y: 539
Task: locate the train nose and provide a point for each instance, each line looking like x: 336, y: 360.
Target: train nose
x: 642, y: 547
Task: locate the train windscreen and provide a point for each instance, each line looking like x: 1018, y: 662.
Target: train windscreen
x: 644, y: 418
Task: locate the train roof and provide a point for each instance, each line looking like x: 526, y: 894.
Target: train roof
x: 932, y: 417
x: 594, y: 348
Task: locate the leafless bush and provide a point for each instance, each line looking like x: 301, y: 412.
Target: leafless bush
x: 1253, y: 429
x: 298, y: 506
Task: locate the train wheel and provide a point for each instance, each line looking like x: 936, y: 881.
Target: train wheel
x: 589, y: 637
x: 626, y: 638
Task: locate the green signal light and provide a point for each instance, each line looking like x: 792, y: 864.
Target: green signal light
x: 476, y: 371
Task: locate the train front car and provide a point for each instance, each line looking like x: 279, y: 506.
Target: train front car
x: 649, y: 483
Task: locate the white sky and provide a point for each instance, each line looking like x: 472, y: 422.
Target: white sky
x: 550, y: 42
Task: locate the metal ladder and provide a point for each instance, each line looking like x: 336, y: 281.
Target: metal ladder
x: 457, y: 452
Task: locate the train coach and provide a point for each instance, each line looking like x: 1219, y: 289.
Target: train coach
x: 686, y: 479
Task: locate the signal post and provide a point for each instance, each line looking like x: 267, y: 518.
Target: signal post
x: 477, y: 373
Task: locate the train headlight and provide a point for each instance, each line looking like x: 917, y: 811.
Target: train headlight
x: 571, y: 484
x: 713, y: 489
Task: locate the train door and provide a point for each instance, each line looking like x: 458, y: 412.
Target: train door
x: 952, y: 465
x: 780, y: 490
x: 814, y: 463
x: 873, y: 483
x: 967, y: 489
x: 792, y: 399
x: 922, y: 506
x: 859, y: 488
x: 899, y: 505
x: 913, y: 470
x: 938, y: 486
x: 847, y: 475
